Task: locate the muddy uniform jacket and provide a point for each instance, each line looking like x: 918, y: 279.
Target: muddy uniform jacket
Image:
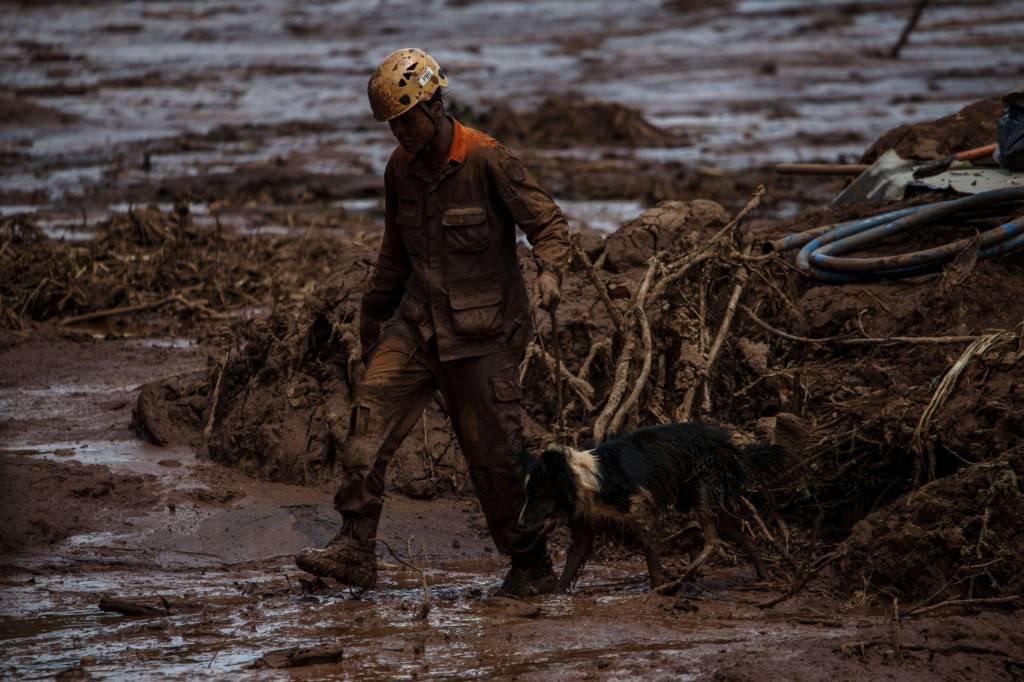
x: 448, y: 258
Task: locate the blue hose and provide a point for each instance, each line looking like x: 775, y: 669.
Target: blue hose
x: 819, y: 257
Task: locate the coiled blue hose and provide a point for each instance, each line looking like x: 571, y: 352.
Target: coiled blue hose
x: 819, y: 257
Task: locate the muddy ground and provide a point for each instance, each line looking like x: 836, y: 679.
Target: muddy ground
x: 191, y: 194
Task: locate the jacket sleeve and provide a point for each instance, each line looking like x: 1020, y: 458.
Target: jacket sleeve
x: 533, y: 209
x: 387, y: 283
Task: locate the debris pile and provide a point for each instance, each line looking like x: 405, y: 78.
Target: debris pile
x: 904, y: 392
x: 145, y: 260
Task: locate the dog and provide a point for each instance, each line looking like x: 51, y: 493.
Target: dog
x: 632, y: 479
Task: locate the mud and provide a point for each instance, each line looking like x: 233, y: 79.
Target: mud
x: 973, y: 126
x: 962, y: 532
x: 30, y: 488
x: 191, y: 198
x: 567, y: 121
x: 147, y: 259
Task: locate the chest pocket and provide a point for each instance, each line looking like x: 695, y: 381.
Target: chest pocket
x: 410, y: 221
x: 465, y: 229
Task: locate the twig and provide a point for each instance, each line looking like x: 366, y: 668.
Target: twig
x: 716, y: 347
x: 918, y: 443
x: 908, y: 28
x: 602, y: 290
x: 580, y: 385
x: 122, y: 310
x: 857, y: 341
x: 424, y: 609
x: 215, y: 400
x: 771, y: 538
x: 637, y: 311
x: 752, y: 203
x: 610, y: 412
x: 616, y: 391
x: 676, y: 271
x: 802, y: 580
x: 921, y: 610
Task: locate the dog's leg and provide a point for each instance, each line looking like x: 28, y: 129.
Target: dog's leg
x: 732, y: 532
x: 579, y: 551
x: 647, y: 531
x: 706, y: 517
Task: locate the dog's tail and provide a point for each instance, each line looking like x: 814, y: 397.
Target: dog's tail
x: 766, y: 462
x: 763, y: 462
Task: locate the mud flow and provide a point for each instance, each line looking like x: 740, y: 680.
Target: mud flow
x: 191, y: 202
x: 226, y: 621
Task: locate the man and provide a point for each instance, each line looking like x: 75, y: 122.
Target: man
x: 446, y: 309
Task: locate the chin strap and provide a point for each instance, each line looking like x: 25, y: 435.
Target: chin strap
x: 436, y: 121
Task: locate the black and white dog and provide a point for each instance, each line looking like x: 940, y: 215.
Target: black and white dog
x: 632, y: 479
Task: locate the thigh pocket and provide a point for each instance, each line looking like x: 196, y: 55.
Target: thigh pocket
x: 476, y: 308
x: 506, y: 386
x: 465, y: 229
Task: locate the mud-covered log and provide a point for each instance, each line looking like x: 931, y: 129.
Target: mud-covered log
x: 301, y: 656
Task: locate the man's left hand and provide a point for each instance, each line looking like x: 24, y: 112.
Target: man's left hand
x: 547, y: 290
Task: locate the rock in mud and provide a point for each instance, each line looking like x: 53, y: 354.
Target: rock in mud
x: 669, y: 228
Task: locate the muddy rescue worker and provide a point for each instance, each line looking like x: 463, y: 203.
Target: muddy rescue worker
x: 446, y: 309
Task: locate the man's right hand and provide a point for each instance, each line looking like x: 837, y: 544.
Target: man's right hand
x: 369, y: 332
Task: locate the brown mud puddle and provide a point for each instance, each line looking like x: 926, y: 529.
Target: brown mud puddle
x: 238, y: 614
x: 212, y: 547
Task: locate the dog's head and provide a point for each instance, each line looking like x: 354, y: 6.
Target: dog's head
x: 550, y: 488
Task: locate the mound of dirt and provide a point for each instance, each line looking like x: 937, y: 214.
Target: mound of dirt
x: 276, y: 405
x: 963, y: 534
x: 19, y: 111
x: 570, y: 121
x: 148, y: 259
x: 45, y: 502
x: 973, y: 126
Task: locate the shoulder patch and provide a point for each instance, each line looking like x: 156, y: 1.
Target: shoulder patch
x: 513, y: 168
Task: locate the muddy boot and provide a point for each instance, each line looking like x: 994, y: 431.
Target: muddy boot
x: 531, y: 574
x: 349, y: 558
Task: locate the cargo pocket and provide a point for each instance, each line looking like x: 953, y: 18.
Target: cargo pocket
x: 476, y: 308
x: 465, y: 229
x: 506, y: 386
x: 413, y: 309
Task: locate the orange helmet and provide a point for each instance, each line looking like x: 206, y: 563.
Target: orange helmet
x: 404, y: 79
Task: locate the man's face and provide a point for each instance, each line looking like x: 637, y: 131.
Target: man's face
x: 413, y: 129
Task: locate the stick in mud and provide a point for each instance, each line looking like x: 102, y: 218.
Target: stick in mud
x: 424, y: 609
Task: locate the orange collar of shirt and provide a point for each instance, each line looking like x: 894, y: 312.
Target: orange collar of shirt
x: 459, y: 148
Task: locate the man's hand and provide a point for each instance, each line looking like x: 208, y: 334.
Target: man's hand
x: 547, y: 290
x: 369, y: 331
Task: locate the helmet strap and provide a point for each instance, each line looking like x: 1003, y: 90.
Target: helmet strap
x: 436, y: 120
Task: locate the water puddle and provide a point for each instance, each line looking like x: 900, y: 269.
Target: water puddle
x: 221, y: 621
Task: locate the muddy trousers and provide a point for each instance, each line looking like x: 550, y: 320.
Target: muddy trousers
x: 482, y: 397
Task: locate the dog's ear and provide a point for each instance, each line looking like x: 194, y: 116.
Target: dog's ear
x: 551, y: 459
x: 525, y: 459
x: 560, y: 472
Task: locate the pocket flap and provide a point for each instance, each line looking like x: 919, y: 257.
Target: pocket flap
x: 466, y: 215
x: 506, y: 387
x: 466, y: 297
x: 408, y: 216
